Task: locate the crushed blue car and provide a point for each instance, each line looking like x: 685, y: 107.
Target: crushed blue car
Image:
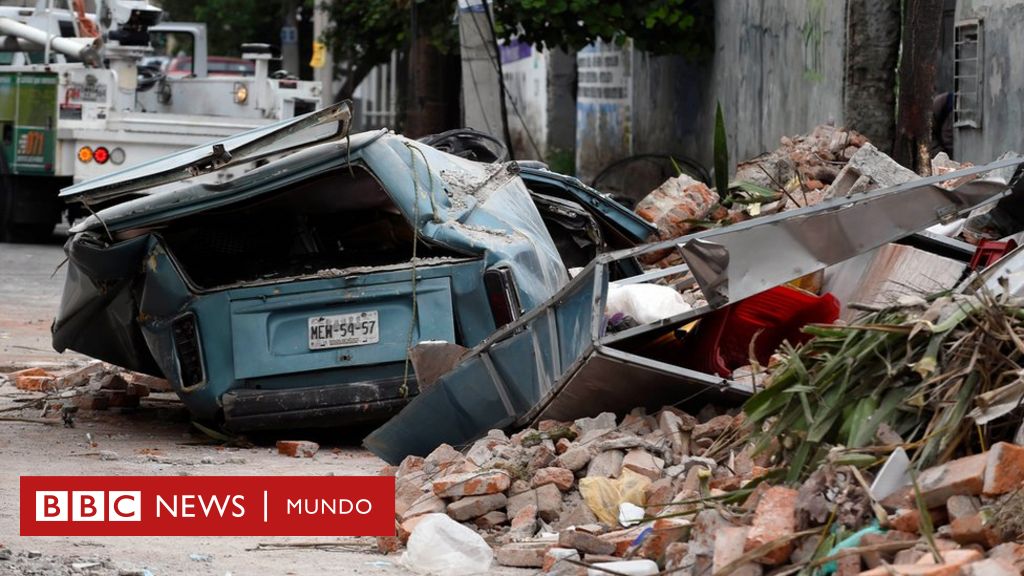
x: 279, y: 278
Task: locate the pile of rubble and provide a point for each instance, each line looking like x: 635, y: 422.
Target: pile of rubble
x: 94, y: 386
x: 665, y: 492
x: 797, y: 174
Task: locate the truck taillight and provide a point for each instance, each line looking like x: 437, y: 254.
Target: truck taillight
x: 85, y: 154
x: 101, y: 155
x: 502, y: 296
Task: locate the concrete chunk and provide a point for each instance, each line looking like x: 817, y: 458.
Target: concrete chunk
x: 585, y: 543
x: 606, y: 464
x: 522, y: 554
x: 643, y: 462
x: 474, y: 506
x: 471, y: 483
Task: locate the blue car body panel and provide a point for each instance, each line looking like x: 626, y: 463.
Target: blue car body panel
x: 127, y: 293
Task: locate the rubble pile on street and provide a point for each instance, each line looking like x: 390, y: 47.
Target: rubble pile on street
x: 94, y: 386
x: 814, y: 473
x: 641, y: 491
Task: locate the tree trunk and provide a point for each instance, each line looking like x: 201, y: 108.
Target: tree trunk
x: 922, y: 26
x: 353, y: 79
x: 872, y: 54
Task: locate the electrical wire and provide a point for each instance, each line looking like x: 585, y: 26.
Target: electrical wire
x: 496, y: 63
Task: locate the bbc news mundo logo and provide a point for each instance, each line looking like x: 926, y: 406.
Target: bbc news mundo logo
x: 207, y: 506
x: 89, y: 506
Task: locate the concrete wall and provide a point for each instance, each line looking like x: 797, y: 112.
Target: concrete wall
x: 541, y: 119
x: 778, y: 68
x: 1002, y: 83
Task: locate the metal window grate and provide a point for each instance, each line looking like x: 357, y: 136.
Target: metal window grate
x: 968, y: 74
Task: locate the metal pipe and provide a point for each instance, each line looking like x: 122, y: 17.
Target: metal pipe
x: 84, y: 49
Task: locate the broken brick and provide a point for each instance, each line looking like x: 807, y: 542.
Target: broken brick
x: 492, y: 519
x: 914, y: 570
x: 407, y: 493
x: 713, y: 428
x: 1004, y: 469
x: 586, y: 543
x: 297, y: 448
x: 471, y: 483
x: 657, y: 495
x: 35, y: 383
x: 973, y: 530
x: 990, y: 567
x: 524, y: 521
x: 409, y: 465
x: 643, y: 462
x: 664, y: 531
x: 574, y: 458
x: 1011, y: 553
x: 607, y: 464
x: 675, y: 557
x: 522, y: 554
x: 473, y: 506
x: 874, y: 558
x: 426, y: 504
x: 562, y: 445
x: 956, y: 557
x: 774, y: 519
x: 622, y: 539
x: 963, y: 476
x: 730, y: 542
x: 406, y: 527
x: 560, y: 562
x: 960, y: 506
x: 560, y: 477
x: 388, y: 544
x: 442, y: 459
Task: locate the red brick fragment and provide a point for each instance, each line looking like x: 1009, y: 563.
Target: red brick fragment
x: 297, y: 448
x: 774, y: 519
x: 1004, y: 469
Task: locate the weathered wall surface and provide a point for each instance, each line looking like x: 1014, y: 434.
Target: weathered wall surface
x: 778, y: 68
x: 1002, y: 83
x: 872, y: 53
x: 541, y: 106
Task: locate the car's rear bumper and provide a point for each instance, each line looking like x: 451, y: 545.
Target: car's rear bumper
x: 316, y: 406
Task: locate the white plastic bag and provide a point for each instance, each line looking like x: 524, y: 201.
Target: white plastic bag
x: 646, y: 303
x: 440, y: 545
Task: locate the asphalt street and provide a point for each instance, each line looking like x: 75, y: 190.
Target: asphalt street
x: 31, y: 281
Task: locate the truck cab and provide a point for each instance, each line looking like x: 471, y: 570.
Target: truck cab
x: 75, y: 107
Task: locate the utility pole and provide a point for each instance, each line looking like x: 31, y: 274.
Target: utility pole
x: 323, y: 64
x: 922, y: 25
x: 290, y: 39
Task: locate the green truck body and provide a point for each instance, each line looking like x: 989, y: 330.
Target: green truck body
x: 28, y: 108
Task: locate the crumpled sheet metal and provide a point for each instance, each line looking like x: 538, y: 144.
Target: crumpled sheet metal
x: 732, y: 263
x: 730, y: 266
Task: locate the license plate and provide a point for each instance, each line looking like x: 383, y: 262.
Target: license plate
x: 343, y: 330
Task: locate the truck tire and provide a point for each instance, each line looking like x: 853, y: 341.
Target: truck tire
x: 39, y: 227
